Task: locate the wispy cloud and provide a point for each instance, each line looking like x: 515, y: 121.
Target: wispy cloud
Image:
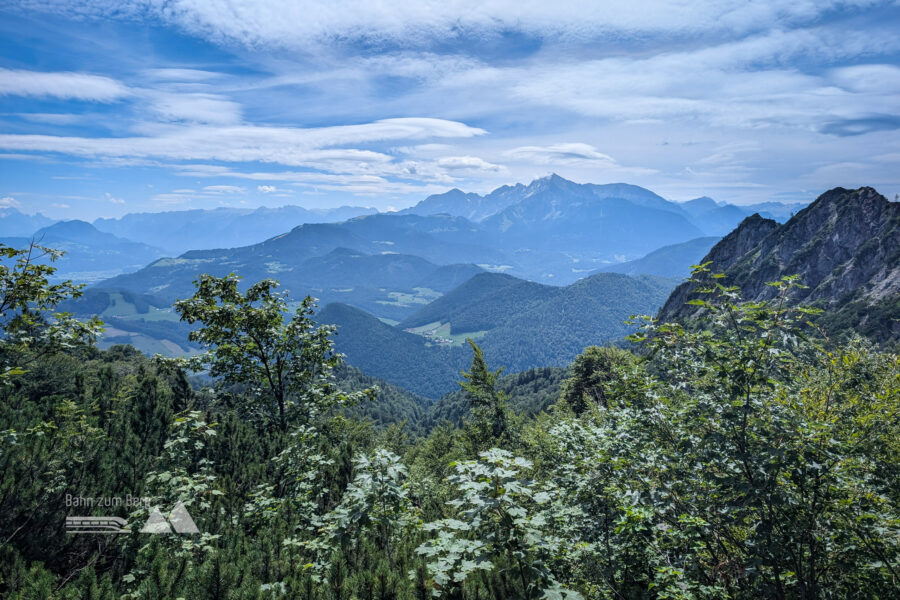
x: 849, y: 127
x: 52, y: 118
x: 313, y: 147
x: 224, y: 189
x: 194, y: 108
x: 746, y: 83
x: 274, y: 22
x: 739, y: 97
x: 76, y: 86
x: 566, y: 153
x: 467, y: 163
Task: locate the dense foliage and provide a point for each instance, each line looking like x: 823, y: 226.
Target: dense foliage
x: 748, y: 459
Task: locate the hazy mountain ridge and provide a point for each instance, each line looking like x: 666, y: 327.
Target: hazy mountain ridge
x: 555, y: 230
x: 392, y: 265
x: 703, y: 210
x: 15, y: 223
x: 551, y: 230
x: 672, y: 261
x: 197, y: 229
x: 90, y: 254
x: 845, y: 247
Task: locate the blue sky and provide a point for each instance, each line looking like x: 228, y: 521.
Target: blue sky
x: 129, y: 106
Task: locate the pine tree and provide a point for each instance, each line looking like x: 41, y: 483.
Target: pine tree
x: 489, y: 419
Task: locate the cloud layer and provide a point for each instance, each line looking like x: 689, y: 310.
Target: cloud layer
x: 398, y: 100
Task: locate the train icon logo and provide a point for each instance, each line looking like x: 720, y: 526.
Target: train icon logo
x: 178, y: 521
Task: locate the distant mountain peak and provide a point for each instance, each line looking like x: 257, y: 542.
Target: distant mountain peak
x: 14, y: 222
x: 548, y: 182
x: 703, y: 203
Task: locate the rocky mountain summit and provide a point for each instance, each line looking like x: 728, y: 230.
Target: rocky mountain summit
x: 845, y: 247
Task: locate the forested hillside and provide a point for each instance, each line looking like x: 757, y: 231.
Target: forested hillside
x: 520, y: 324
x: 402, y: 358
x: 482, y: 302
x: 747, y: 459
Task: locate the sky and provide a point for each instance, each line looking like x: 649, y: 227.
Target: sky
x: 111, y: 107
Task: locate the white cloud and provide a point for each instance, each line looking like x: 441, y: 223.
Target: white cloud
x: 314, y: 147
x: 267, y: 189
x: 467, y: 162
x: 351, y: 183
x: 182, y: 75
x: 563, y: 154
x: 224, y: 189
x: 76, y: 86
x: 872, y: 78
x: 9, y: 202
x: 307, y: 23
x: 112, y: 199
x: 172, y: 198
x: 738, y: 84
x: 195, y: 108
x: 729, y: 154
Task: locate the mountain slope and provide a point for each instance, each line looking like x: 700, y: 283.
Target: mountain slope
x: 529, y: 392
x: 669, y: 261
x: 561, y: 229
x: 471, y: 206
x: 383, y: 351
x: 591, y: 311
x: 845, y: 247
x: 718, y: 220
x: 481, y: 302
x: 392, y: 404
x: 545, y: 326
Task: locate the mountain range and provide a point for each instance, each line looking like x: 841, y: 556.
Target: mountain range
x: 406, y: 289
x: 551, y: 230
x: 183, y: 230
x: 714, y: 218
x: 333, y: 262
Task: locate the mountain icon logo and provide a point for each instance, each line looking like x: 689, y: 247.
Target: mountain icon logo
x: 179, y: 521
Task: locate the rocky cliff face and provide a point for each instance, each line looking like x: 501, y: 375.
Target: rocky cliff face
x: 845, y: 246
x: 728, y: 251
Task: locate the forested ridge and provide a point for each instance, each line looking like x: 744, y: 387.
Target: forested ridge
x: 747, y: 458
x: 522, y: 325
